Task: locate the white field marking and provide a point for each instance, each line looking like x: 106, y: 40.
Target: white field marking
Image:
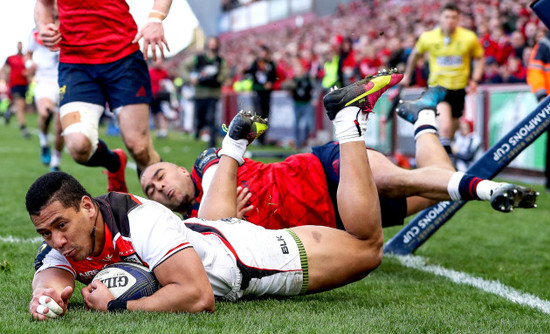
x: 494, y: 287
x: 16, y: 240
x: 131, y: 165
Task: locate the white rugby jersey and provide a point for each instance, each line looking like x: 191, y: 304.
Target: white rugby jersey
x: 46, y: 61
x: 232, y: 251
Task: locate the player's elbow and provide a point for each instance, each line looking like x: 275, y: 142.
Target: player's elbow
x: 198, y: 301
x: 205, y: 304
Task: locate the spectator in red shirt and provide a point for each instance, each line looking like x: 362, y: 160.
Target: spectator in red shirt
x: 18, y: 85
x: 503, y: 47
x: 514, y: 71
x: 101, y: 64
x: 368, y: 63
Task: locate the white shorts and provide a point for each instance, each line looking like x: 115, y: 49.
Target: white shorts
x: 269, y: 262
x: 47, y: 89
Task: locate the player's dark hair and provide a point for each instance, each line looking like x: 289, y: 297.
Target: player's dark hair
x: 450, y: 6
x: 51, y: 187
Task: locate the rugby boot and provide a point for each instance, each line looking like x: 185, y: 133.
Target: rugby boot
x: 362, y: 94
x: 117, y: 180
x: 246, y: 125
x: 430, y: 98
x: 510, y: 196
x: 45, y: 155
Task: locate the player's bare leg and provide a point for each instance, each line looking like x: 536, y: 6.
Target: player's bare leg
x: 220, y: 201
x: 19, y: 105
x: 436, y: 170
x: 58, y: 143
x: 134, y: 129
x: 44, y: 107
x: 337, y: 257
x: 447, y: 125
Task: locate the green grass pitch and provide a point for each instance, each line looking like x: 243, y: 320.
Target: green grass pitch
x: 513, y: 249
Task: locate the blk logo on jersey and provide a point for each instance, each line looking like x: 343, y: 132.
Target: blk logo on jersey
x: 282, y: 241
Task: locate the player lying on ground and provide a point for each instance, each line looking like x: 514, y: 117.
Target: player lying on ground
x: 302, y: 189
x: 203, y: 259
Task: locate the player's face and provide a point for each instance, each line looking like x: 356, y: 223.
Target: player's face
x: 449, y: 21
x: 169, y: 185
x: 67, y: 230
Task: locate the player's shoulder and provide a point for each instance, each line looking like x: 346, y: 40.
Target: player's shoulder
x: 43, y: 250
x: 206, y: 159
x: 432, y: 33
x: 466, y: 33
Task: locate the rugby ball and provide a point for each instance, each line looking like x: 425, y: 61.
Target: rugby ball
x: 128, y: 281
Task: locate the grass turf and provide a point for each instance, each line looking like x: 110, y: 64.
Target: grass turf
x: 511, y: 248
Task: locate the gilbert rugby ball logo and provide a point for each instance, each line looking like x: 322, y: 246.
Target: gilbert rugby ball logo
x: 116, y: 280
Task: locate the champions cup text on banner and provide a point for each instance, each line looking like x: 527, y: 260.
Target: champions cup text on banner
x: 490, y: 164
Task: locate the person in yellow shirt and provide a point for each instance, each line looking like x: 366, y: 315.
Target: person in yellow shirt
x: 450, y: 49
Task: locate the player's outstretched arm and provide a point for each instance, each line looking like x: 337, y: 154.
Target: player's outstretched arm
x: 153, y: 31
x: 185, y: 288
x: 51, y: 291
x: 220, y: 200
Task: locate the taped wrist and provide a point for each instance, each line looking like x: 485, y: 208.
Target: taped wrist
x: 116, y: 306
x: 234, y: 149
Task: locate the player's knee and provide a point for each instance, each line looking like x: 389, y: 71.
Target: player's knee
x: 79, y: 147
x: 387, y: 185
x: 139, y: 149
x: 372, y: 252
x: 80, y: 121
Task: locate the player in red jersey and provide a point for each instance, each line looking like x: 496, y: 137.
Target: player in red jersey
x: 18, y: 85
x: 100, y: 63
x: 302, y: 189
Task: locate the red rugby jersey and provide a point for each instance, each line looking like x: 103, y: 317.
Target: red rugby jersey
x: 17, y: 71
x: 284, y: 194
x: 95, y: 31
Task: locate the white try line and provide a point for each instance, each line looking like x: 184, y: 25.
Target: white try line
x: 419, y: 263
x: 494, y: 287
x: 16, y: 240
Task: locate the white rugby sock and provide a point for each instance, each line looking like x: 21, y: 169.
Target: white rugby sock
x: 425, y: 123
x: 234, y: 148
x: 56, y: 158
x: 43, y: 138
x: 467, y: 187
x: 350, y: 124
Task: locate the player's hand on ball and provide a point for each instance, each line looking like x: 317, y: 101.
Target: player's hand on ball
x: 47, y: 304
x: 96, y: 296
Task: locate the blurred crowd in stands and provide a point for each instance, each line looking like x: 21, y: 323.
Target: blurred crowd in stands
x: 370, y: 35
x: 361, y: 38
